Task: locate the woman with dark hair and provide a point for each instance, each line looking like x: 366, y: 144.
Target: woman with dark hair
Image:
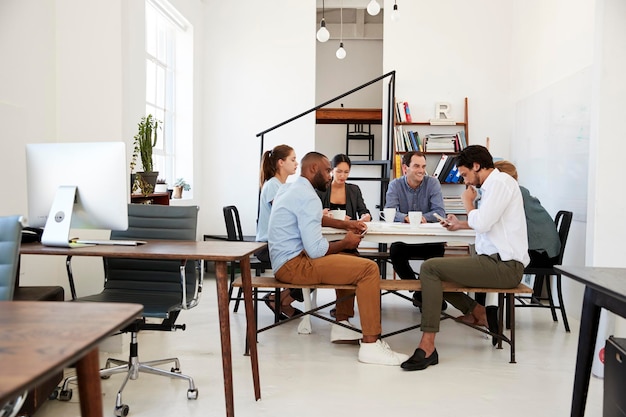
x: 343, y: 196
x: 276, y: 165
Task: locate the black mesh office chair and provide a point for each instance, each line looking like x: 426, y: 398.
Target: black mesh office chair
x: 163, y: 287
x: 563, y: 221
x: 234, y: 233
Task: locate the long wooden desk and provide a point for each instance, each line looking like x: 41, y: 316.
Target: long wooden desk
x: 219, y: 252
x: 32, y: 346
x: 604, y: 288
x: 381, y: 232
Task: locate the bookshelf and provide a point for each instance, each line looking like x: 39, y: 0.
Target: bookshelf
x: 404, y: 141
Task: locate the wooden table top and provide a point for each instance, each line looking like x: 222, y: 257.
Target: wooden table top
x: 42, y: 337
x: 156, y: 249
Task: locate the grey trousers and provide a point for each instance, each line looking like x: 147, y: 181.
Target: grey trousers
x: 486, y: 271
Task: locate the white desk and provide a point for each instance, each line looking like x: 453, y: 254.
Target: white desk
x: 381, y: 232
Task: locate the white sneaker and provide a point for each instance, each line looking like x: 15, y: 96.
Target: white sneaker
x: 379, y: 353
x: 340, y: 334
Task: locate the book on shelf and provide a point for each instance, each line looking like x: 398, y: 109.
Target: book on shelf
x: 454, y: 177
x: 414, y: 141
x: 398, y: 162
x: 442, y: 122
x: 399, y: 139
x: 400, y: 112
x: 445, y: 171
x: 440, y: 165
x: 461, y: 135
x: 446, y: 144
x: 407, y: 112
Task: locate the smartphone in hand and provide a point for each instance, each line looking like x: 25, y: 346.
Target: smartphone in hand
x: 441, y: 219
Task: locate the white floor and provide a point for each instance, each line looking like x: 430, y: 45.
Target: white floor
x: 305, y: 375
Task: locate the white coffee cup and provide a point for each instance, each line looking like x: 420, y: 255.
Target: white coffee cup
x: 415, y: 218
x: 388, y: 214
x: 338, y: 214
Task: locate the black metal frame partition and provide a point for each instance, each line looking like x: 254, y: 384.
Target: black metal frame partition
x: 385, y: 164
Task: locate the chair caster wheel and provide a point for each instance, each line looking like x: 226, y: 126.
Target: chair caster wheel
x: 54, y: 394
x: 65, y: 395
x: 192, y: 394
x: 105, y: 376
x: 175, y: 370
x: 122, y: 411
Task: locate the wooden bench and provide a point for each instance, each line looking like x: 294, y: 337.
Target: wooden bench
x: 506, y: 297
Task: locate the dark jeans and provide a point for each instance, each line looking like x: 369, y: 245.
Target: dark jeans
x: 400, y: 254
x: 263, y: 255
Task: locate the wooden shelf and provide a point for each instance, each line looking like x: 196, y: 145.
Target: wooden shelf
x: 156, y: 198
x: 342, y: 116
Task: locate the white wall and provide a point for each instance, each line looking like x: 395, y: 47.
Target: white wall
x: 259, y: 70
x: 446, y: 51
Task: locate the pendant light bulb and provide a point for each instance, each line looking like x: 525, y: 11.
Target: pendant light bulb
x: 395, y: 15
x: 323, y: 34
x: 373, y: 8
x: 341, y: 53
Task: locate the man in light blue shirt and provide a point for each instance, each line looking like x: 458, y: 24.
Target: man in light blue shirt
x: 414, y: 191
x: 301, y: 255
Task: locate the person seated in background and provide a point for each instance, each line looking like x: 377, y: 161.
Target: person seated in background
x: 544, y: 243
x: 501, y: 251
x: 301, y: 255
x: 276, y: 165
x: 414, y: 191
x: 342, y: 195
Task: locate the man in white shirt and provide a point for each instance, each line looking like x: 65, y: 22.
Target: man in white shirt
x: 501, y: 250
x: 300, y: 254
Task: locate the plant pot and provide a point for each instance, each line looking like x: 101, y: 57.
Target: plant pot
x: 150, y: 177
x: 160, y: 188
x: 178, y: 192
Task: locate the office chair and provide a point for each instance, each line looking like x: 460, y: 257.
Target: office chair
x: 235, y: 233
x: 563, y: 221
x: 163, y: 287
x: 10, y: 238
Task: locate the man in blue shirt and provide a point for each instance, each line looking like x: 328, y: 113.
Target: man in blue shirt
x: 300, y: 254
x: 414, y: 191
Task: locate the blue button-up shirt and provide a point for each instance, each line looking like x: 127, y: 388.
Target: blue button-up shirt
x: 426, y: 198
x: 296, y: 223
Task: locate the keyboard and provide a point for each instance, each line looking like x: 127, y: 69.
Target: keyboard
x: 110, y: 242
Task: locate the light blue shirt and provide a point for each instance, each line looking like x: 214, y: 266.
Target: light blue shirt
x: 296, y: 224
x: 426, y: 198
x: 268, y: 192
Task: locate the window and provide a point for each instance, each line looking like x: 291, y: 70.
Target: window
x: 169, y: 89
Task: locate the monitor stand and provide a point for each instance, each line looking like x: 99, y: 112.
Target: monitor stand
x: 57, y: 229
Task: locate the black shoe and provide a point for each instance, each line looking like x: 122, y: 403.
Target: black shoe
x: 419, y: 361
x: 417, y: 301
x: 492, y: 322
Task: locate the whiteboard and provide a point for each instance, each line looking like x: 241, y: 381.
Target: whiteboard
x: 550, y: 145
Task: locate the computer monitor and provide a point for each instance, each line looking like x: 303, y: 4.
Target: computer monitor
x: 78, y: 186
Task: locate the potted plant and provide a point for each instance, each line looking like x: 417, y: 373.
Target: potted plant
x: 144, y: 141
x: 179, y: 186
x: 161, y: 186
